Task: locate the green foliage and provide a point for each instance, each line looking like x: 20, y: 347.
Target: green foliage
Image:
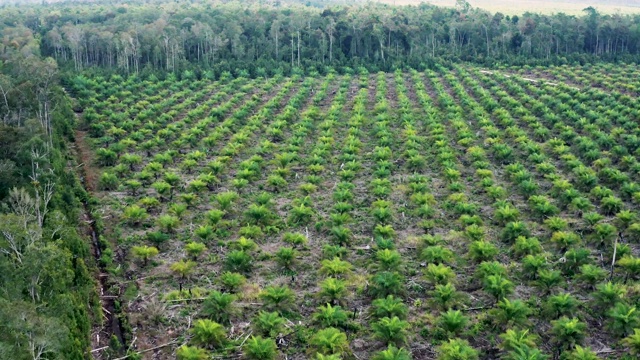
x: 390, y: 330
x: 453, y: 322
x: 498, y: 286
x: 335, y: 267
x: 456, y: 349
x: 561, y: 305
x: 482, y: 251
x: 238, y: 261
x: 633, y: 342
x: 195, y: 249
x: 208, y: 333
x: 268, y: 323
x: 329, y: 341
x: 330, y: 316
x: 145, y: 253
x: 437, y: 254
x: 580, y: 353
x: 279, y: 298
x: 568, y: 332
x: 389, y: 306
x: 623, y: 319
x: 257, y: 348
x: 511, y: 313
x: 219, y: 306
x: 232, y: 281
x: 392, y: 353
x: 332, y: 289
x: 386, y: 283
x: 445, y: 296
x: 514, y: 339
x: 185, y: 352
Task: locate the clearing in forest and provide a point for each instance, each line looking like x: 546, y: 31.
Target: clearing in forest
x: 452, y: 211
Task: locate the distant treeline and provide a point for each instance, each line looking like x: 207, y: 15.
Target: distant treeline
x: 263, y: 36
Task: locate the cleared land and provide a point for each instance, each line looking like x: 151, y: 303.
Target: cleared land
x: 413, y: 203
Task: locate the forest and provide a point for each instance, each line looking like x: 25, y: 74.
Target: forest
x: 317, y: 180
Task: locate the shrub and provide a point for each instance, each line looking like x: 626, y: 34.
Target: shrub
x: 548, y: 279
x: 580, y: 353
x: 436, y: 254
x: 608, y: 294
x: 561, y: 305
x: 286, y: 257
x: 498, y: 286
x: 335, y: 267
x: 108, y: 181
x: 482, y: 251
x: 195, y: 249
x: 168, y: 223
x: 388, y: 260
x: 295, y: 239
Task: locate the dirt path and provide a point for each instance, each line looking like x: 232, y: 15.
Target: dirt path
x: 110, y: 323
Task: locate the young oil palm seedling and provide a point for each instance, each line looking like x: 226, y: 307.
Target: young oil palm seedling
x: 333, y: 290
x: 456, y: 349
x: 278, y: 298
x: 453, y: 322
x: 257, y: 348
x: 392, y: 353
x: 232, y: 281
x: 185, y: 352
x: 329, y: 341
x: 268, y: 323
x: 439, y: 274
x: 567, y: 332
x: 386, y: 283
x: 389, y: 306
x: 208, y: 333
x: 623, y: 319
x: 145, y: 253
x: 335, y: 267
x: 331, y: 316
x: 390, y: 330
x: 514, y: 339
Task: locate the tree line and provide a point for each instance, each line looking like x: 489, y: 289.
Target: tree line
x: 257, y: 36
x: 46, y: 287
